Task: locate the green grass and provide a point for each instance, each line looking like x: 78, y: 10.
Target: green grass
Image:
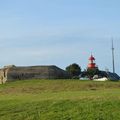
x: 60, y: 100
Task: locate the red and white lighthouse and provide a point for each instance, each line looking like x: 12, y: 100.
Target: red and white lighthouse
x: 92, y: 63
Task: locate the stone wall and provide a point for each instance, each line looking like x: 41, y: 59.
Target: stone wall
x: 3, y: 75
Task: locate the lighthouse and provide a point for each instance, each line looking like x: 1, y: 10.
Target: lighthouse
x: 92, y: 64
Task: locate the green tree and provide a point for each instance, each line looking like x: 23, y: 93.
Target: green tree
x: 74, y: 70
x: 92, y: 72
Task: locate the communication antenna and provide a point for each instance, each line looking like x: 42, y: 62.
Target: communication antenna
x: 113, y: 61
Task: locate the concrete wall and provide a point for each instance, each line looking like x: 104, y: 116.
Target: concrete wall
x: 11, y: 73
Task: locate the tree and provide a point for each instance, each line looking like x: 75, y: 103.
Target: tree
x: 92, y: 72
x: 74, y: 70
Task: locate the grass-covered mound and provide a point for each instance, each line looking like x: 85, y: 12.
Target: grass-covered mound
x: 60, y: 100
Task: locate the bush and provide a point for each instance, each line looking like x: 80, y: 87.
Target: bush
x: 74, y: 70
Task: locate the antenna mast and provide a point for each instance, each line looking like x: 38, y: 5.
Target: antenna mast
x: 113, y: 61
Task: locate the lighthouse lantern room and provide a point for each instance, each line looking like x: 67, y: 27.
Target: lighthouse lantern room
x: 92, y: 63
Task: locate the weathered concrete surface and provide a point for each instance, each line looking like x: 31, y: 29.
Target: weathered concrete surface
x: 11, y: 73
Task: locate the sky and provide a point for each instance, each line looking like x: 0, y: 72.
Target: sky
x: 59, y: 32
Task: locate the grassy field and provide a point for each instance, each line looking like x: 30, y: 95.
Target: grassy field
x: 60, y: 100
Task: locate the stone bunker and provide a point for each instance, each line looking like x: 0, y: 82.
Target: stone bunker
x: 12, y: 72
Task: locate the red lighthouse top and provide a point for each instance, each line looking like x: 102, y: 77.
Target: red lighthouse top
x: 91, y: 58
x: 91, y: 64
